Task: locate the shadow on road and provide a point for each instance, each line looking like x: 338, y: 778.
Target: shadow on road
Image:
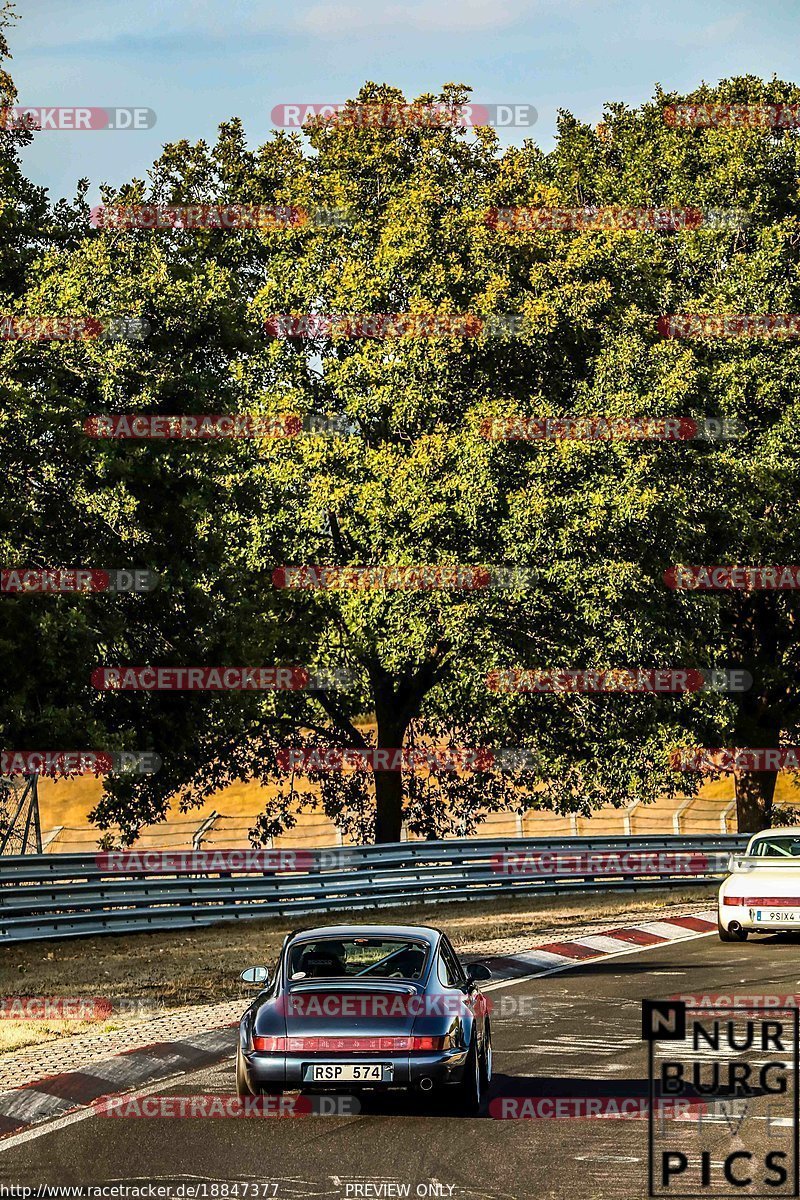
x: 533, y: 1086
x: 413, y: 1104
x: 439, y: 1104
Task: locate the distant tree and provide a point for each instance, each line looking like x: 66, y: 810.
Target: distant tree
x: 598, y: 297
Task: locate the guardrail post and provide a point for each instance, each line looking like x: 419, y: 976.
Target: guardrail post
x: 679, y: 811
x: 51, y: 836
x: 627, y: 818
x: 723, y: 820
x: 203, y: 829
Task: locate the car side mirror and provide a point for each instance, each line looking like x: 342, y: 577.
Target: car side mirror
x: 255, y: 975
x: 476, y: 972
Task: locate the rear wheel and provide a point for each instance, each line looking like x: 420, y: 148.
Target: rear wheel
x: 471, y: 1090
x: 486, y: 1059
x: 243, y: 1087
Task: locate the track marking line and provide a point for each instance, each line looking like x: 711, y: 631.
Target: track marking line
x: 81, y: 1114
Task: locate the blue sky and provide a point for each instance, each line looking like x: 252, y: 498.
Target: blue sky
x: 198, y: 62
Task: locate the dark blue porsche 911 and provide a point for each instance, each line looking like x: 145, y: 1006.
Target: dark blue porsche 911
x: 367, y: 1006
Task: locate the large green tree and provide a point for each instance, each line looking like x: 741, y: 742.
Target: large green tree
x: 414, y: 481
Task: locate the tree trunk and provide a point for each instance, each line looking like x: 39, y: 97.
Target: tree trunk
x: 389, y: 806
x: 755, y: 789
x: 392, y: 726
x: 754, y: 792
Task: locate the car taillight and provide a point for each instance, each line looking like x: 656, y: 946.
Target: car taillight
x: 347, y: 1045
x: 763, y: 901
x: 427, y: 1043
x: 270, y: 1045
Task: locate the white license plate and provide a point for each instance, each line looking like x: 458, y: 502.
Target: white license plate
x: 348, y: 1073
x: 776, y: 916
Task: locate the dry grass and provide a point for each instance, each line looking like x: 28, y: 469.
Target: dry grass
x: 16, y: 1035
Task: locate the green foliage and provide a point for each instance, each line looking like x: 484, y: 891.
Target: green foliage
x: 416, y: 482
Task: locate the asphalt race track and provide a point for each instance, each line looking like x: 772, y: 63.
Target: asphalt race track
x: 584, y: 1038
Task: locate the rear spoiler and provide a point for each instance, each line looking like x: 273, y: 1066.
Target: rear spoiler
x: 746, y: 862
x: 352, y: 983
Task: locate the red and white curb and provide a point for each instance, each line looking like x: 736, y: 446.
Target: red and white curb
x: 56, y: 1096
x: 560, y: 956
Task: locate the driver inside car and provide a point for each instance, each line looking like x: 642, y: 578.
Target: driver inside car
x: 324, y: 960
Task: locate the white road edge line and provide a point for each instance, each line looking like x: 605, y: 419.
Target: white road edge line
x: 27, y: 1135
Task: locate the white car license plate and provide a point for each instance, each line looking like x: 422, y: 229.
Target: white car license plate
x: 348, y: 1073
x: 776, y: 916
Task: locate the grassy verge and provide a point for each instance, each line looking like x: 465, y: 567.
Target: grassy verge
x: 16, y: 1035
x: 202, y: 966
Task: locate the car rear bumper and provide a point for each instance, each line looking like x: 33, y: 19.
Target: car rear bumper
x: 288, y: 1070
x: 745, y: 917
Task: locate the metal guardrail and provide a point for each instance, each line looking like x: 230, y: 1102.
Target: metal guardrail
x: 75, y: 895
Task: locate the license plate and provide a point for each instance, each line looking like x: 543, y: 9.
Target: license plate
x: 348, y: 1073
x: 776, y: 916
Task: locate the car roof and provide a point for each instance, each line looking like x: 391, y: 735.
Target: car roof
x: 789, y: 830
x: 424, y: 933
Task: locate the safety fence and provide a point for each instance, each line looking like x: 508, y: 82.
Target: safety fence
x: 73, y: 895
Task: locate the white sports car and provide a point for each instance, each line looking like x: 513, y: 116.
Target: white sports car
x: 762, y: 892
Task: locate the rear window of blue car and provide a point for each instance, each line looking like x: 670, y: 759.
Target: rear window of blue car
x: 369, y: 957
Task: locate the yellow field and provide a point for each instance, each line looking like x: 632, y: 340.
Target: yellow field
x: 65, y: 807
